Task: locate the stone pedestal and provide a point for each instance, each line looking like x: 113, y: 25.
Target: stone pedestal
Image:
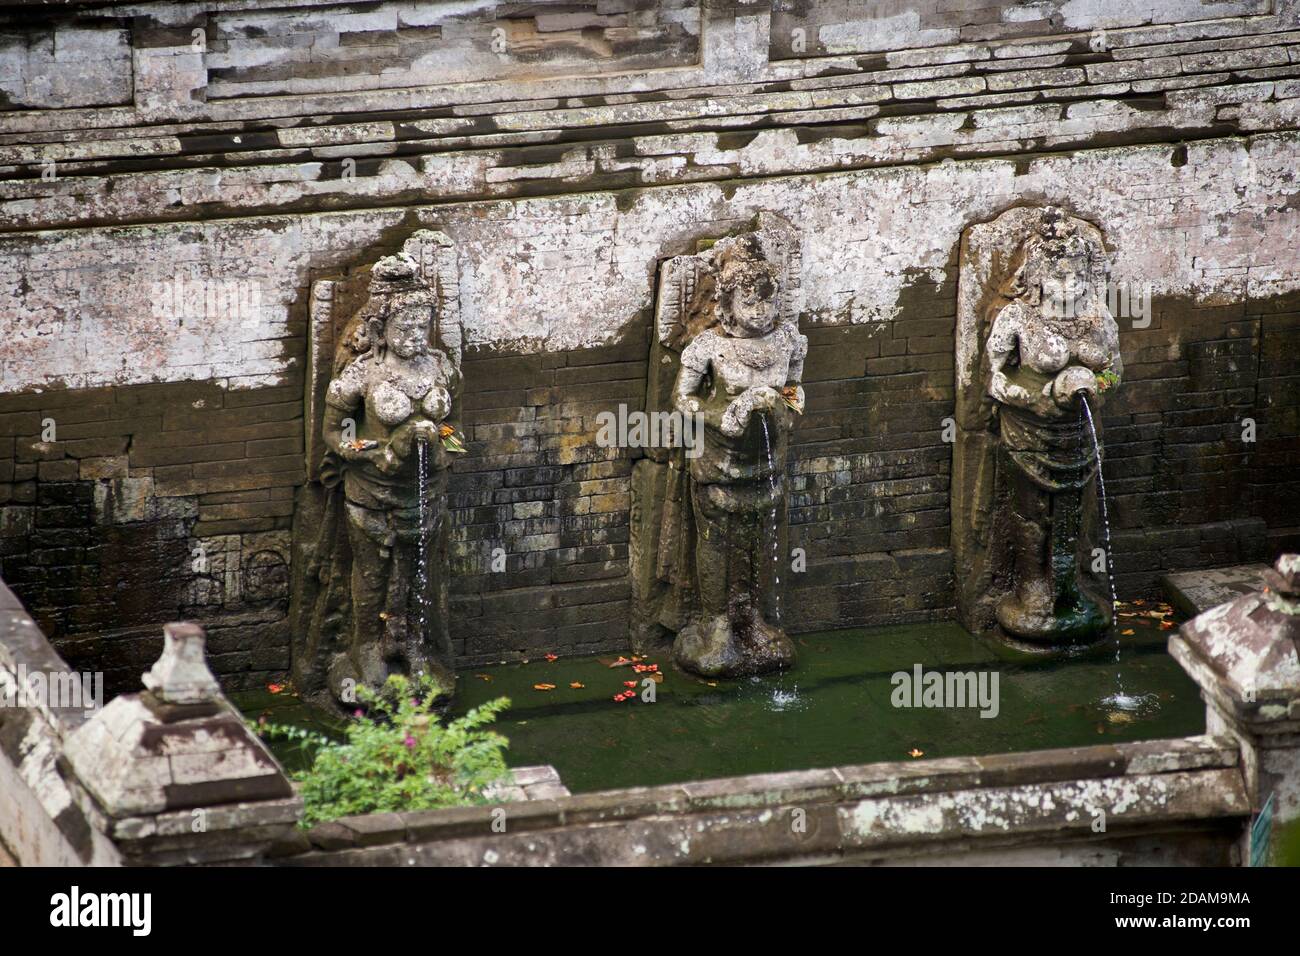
x: 1245, y: 656
x: 173, y: 775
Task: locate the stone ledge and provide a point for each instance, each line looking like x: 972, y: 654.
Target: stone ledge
x: 874, y: 806
x: 1193, y: 592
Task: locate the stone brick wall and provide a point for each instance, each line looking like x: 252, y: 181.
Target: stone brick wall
x: 157, y: 249
x: 152, y: 502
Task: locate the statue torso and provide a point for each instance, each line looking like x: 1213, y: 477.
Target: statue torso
x: 392, y: 392
x: 734, y: 365
x: 1048, y: 343
x: 738, y: 364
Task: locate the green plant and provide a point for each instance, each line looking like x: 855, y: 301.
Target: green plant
x: 399, y: 755
x: 1107, y: 379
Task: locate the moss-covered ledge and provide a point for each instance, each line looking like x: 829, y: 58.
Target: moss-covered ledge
x: 1168, y: 801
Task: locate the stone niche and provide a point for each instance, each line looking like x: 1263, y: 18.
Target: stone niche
x: 342, y: 322
x: 662, y: 548
x: 988, y: 535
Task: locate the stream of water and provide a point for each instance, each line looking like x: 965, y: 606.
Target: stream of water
x: 1120, y: 698
x: 776, y: 531
x: 422, y: 558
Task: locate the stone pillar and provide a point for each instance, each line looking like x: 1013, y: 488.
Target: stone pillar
x: 173, y: 775
x: 1245, y: 656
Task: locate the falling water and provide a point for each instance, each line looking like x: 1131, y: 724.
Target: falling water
x: 1119, y: 699
x: 422, y: 557
x: 1105, y: 520
x: 776, y: 531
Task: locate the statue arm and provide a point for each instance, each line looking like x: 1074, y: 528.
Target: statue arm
x: 1112, y: 342
x: 440, y: 400
x: 1003, y: 343
x: 694, y: 368
x: 798, y: 353
x: 345, y: 394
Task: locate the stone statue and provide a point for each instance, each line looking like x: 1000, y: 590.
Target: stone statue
x: 734, y: 375
x: 1050, y: 353
x: 379, y: 563
x: 711, y: 523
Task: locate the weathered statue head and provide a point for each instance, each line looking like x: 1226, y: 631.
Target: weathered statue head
x: 1063, y: 265
x: 401, y: 308
x: 747, y: 290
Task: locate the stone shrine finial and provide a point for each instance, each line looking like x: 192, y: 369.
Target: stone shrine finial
x: 181, y: 675
x: 176, y: 773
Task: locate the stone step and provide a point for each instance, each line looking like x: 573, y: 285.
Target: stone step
x: 530, y: 783
x: 1191, y: 592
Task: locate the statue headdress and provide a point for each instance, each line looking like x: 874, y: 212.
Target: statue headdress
x: 739, y: 261
x: 1059, y: 236
x: 394, y: 280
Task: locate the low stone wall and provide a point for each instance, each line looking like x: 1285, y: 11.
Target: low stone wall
x: 1166, y: 802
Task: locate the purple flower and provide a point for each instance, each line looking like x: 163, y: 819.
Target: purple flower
x: 357, y: 712
x: 410, y: 742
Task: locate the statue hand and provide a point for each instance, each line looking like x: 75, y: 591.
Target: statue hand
x: 1073, y: 381
x: 356, y: 450
x: 736, y: 418
x: 401, y: 442
x: 424, y: 430
x: 386, y: 461
x: 766, y: 398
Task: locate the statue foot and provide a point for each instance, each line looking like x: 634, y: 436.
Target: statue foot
x: 444, y: 678
x: 1085, y: 621
x: 707, y: 647
x: 769, y: 648
x: 712, y: 648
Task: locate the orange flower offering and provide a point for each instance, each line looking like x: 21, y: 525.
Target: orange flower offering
x: 450, y: 440
x: 790, y: 395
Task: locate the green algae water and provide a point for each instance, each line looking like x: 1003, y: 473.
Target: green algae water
x: 834, y: 708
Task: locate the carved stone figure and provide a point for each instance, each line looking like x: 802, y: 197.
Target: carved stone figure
x: 710, y: 523
x: 373, y: 600
x: 1026, y: 522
